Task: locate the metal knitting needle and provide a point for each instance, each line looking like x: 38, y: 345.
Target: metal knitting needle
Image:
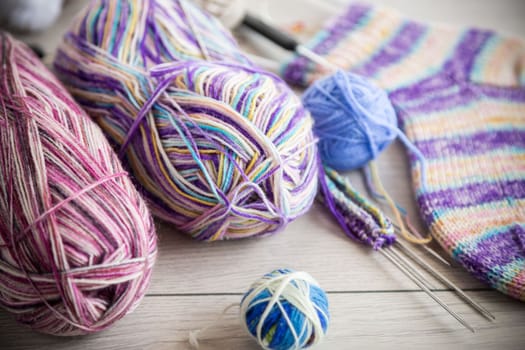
x: 402, y: 260
x: 428, y: 249
x: 421, y: 285
x: 409, y: 252
x: 478, y: 307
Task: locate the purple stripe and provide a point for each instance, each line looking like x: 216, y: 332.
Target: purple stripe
x: 452, y: 73
x: 469, y: 195
x: 424, y: 88
x: 473, y: 144
x: 491, y: 255
x: 400, y: 46
x: 295, y: 72
x: 341, y: 28
x: 511, y: 94
x: 466, y: 53
x: 455, y: 72
x: 458, y: 97
x: 463, y: 95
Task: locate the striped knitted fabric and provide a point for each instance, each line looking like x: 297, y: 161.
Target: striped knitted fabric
x: 460, y: 97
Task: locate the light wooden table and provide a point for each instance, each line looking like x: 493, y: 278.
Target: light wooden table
x: 373, y: 305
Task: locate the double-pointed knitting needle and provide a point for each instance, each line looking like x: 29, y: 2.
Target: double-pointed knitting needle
x: 478, y: 307
x: 409, y: 272
x: 427, y: 248
x: 408, y: 265
x: 415, y: 272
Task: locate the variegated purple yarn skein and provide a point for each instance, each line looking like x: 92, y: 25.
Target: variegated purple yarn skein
x: 77, y: 243
x: 220, y: 148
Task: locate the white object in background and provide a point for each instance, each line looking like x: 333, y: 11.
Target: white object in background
x: 229, y: 12
x: 29, y: 15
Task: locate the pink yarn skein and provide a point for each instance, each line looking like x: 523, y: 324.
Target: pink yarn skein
x: 77, y: 243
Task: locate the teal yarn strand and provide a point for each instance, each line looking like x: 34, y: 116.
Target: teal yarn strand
x: 286, y: 310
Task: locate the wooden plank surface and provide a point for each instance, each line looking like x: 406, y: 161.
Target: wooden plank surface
x: 373, y: 305
x: 362, y: 320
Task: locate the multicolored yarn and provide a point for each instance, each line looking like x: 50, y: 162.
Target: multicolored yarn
x: 286, y: 310
x: 460, y: 97
x: 220, y: 148
x: 77, y: 243
x: 357, y: 216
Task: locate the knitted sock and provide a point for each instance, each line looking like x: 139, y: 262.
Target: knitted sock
x: 460, y: 97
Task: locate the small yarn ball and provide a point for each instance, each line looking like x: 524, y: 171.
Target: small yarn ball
x: 354, y: 119
x: 77, y: 242
x: 220, y: 148
x: 286, y: 310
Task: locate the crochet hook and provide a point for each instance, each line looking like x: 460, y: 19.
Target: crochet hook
x: 284, y: 40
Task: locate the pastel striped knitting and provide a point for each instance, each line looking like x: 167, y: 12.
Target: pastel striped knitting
x: 460, y: 97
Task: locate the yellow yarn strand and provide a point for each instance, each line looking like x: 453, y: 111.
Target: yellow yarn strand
x: 403, y: 230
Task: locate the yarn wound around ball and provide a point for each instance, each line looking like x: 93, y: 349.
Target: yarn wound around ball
x: 283, y: 310
x: 286, y: 310
x: 354, y: 119
x: 77, y: 242
x: 220, y: 148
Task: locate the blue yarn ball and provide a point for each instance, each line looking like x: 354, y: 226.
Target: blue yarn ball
x: 354, y: 119
x: 286, y: 310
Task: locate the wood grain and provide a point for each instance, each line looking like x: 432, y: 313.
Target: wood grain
x: 360, y: 320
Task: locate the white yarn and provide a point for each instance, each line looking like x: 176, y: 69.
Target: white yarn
x: 193, y: 337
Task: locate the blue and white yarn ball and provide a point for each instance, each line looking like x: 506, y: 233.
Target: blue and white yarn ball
x: 286, y: 310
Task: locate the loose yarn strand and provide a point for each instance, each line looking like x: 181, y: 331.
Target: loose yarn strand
x: 374, y: 193
x: 193, y: 336
x: 369, y: 182
x: 413, y: 148
x: 393, y: 207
